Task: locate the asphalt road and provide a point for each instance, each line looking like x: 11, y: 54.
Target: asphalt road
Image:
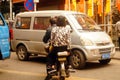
x: 35, y: 69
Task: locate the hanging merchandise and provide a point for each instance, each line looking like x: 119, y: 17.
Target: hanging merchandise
x: 73, y: 6
x: 108, y: 6
x: 100, y: 7
x: 67, y: 5
x: 118, y: 4
x: 82, y: 6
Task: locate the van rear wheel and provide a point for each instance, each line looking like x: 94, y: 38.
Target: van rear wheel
x: 22, y: 53
x: 78, y: 59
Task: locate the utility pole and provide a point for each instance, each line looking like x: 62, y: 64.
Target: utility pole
x: 10, y: 9
x: 35, y: 4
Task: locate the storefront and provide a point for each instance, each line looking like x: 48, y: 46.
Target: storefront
x: 42, y: 5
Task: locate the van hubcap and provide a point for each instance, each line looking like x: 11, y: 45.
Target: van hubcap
x: 21, y: 53
x: 76, y: 59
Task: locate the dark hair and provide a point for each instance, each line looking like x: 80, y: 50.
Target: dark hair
x: 52, y: 21
x: 61, y: 21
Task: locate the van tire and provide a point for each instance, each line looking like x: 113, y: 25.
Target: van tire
x: 22, y: 53
x: 78, y: 59
x: 106, y: 61
x: 0, y: 56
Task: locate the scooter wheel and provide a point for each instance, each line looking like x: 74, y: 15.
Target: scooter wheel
x: 62, y: 78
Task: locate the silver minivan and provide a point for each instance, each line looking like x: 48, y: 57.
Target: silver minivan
x: 88, y: 41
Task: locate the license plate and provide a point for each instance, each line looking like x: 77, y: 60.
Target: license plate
x: 105, y: 56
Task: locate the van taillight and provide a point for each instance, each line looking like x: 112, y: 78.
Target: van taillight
x: 11, y: 34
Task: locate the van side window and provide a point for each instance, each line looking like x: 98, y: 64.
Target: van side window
x: 23, y: 23
x: 1, y: 21
x: 41, y: 23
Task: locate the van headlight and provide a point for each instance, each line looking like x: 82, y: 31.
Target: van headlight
x: 86, y: 42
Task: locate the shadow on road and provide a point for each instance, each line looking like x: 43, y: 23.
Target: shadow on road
x: 94, y: 65
x: 116, y: 58
x: 89, y: 65
x: 38, y: 59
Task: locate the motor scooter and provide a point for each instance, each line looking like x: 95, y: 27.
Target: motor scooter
x: 61, y: 67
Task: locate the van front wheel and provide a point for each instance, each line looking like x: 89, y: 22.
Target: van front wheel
x: 77, y: 59
x: 22, y: 53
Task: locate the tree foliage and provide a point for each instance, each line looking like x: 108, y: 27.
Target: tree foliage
x: 115, y: 15
x: 4, y: 7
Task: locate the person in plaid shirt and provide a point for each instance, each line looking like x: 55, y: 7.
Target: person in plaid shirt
x: 60, y: 40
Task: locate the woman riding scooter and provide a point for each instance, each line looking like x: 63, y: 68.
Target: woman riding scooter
x: 60, y: 40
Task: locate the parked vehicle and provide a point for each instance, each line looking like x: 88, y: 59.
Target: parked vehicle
x: 4, y: 39
x: 88, y: 41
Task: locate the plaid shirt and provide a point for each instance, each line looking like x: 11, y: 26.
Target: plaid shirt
x: 60, y: 36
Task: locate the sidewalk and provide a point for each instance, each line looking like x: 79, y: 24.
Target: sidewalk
x: 117, y: 55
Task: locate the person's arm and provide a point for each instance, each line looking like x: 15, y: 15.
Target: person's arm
x: 47, y: 36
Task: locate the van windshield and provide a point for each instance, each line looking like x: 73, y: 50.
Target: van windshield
x: 86, y: 22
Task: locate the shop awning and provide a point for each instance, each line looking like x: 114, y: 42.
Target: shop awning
x: 18, y: 1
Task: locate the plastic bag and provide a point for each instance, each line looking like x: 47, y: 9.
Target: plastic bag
x: 48, y: 49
